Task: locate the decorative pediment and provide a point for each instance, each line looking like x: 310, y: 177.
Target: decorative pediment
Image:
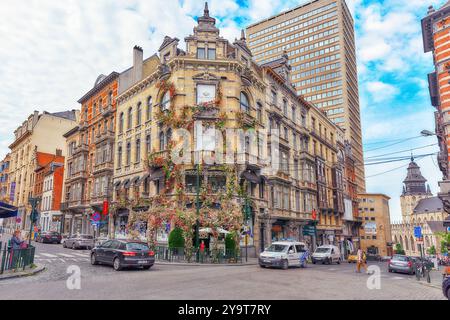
x: 247, y: 77
x: 206, y: 76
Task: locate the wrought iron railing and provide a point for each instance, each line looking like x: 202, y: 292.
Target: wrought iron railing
x: 15, y: 259
x: 194, y: 255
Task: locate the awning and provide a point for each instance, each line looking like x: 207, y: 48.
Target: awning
x: 7, y: 211
x: 157, y: 175
x: 136, y: 181
x: 126, y: 184
x: 117, y: 184
x: 251, y: 176
x: 145, y: 176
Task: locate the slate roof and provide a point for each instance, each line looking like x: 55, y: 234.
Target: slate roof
x: 432, y: 204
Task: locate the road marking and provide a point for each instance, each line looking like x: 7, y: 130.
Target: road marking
x: 84, y: 255
x: 397, y: 278
x: 36, y: 256
x: 66, y: 255
x: 49, y: 255
x: 62, y: 260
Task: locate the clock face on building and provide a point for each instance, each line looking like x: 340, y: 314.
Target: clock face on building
x: 206, y: 93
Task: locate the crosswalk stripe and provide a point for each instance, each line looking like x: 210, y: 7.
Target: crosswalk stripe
x: 36, y: 256
x: 84, y: 255
x: 66, y: 255
x: 49, y: 255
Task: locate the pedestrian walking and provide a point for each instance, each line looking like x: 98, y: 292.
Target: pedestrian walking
x: 304, y: 256
x: 362, y: 261
x: 16, y: 243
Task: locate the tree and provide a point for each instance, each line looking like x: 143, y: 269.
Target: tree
x: 399, y: 249
x: 230, y: 243
x: 445, y: 241
x: 431, y: 250
x: 176, y: 239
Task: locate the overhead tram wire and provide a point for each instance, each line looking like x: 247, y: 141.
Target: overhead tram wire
x: 408, y: 150
x: 393, y: 144
x: 397, y: 168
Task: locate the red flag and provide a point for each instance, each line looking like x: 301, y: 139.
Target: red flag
x: 314, y: 214
x: 105, y: 207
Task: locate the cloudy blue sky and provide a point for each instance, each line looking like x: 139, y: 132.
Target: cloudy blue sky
x: 52, y: 51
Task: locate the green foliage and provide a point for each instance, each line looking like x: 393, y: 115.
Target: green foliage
x: 432, y: 250
x: 230, y: 242
x: 176, y: 239
x: 445, y: 241
x: 399, y: 249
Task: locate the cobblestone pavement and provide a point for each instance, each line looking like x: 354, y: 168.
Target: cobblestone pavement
x: 207, y: 282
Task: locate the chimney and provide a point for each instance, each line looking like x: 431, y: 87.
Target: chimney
x: 138, y: 61
x: 58, y: 152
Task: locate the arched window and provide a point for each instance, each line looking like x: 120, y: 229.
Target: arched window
x: 94, y: 109
x: 165, y: 102
x: 121, y: 121
x: 245, y: 105
x: 149, y: 108
x: 139, y: 114
x: 138, y: 151
x: 130, y: 118
x: 119, y: 157
x: 128, y: 153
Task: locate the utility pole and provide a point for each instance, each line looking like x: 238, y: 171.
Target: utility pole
x: 33, y: 215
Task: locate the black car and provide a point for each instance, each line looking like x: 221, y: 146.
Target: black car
x: 446, y: 287
x: 49, y: 237
x: 123, y: 254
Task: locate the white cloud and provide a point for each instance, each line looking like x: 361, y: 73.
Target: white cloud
x: 381, y: 91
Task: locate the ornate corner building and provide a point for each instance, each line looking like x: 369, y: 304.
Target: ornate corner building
x: 436, y: 39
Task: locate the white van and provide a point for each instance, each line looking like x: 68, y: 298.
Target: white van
x: 327, y: 254
x: 282, y: 254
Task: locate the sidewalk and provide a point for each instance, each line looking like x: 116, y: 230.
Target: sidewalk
x: 22, y: 273
x: 435, y: 277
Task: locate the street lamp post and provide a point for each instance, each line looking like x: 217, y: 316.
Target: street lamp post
x: 197, y: 206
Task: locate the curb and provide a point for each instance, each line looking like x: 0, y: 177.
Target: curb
x: 32, y: 272
x: 205, y: 264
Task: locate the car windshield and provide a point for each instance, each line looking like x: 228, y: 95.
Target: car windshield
x: 277, y: 248
x: 137, y: 246
x: 54, y: 233
x: 322, y: 250
x: 86, y: 237
x: 400, y: 258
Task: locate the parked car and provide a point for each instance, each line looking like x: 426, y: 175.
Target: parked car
x: 79, y: 241
x: 282, y: 254
x: 49, y: 237
x: 385, y: 258
x: 446, y: 287
x: 122, y: 254
x: 327, y: 254
x: 401, y: 264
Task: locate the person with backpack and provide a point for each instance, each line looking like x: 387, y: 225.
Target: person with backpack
x: 362, y: 258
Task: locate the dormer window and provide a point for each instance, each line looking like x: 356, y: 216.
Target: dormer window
x: 165, y: 102
x: 201, y: 54
x: 212, y: 54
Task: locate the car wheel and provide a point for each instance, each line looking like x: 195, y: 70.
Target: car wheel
x: 64, y: 245
x: 74, y: 247
x: 94, y: 259
x: 329, y: 261
x: 116, y: 264
x: 147, y: 267
x: 285, y: 265
x: 314, y: 262
x: 448, y: 293
x: 262, y: 266
x: 339, y: 261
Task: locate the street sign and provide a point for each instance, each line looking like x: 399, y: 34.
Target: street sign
x: 448, y: 229
x: 18, y: 220
x: 418, y: 232
x: 105, y: 208
x: 96, y: 217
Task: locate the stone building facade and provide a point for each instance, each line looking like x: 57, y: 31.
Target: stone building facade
x: 39, y: 133
x: 222, y: 86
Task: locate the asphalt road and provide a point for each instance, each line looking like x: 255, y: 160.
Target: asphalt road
x: 206, y: 282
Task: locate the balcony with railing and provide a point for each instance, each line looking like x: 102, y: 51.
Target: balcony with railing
x: 103, y: 167
x: 207, y: 113
x: 76, y: 204
x: 81, y: 148
x: 157, y: 159
x: 80, y: 175
x: 107, y: 135
x: 107, y: 111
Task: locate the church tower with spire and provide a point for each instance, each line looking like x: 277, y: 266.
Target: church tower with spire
x: 414, y: 190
